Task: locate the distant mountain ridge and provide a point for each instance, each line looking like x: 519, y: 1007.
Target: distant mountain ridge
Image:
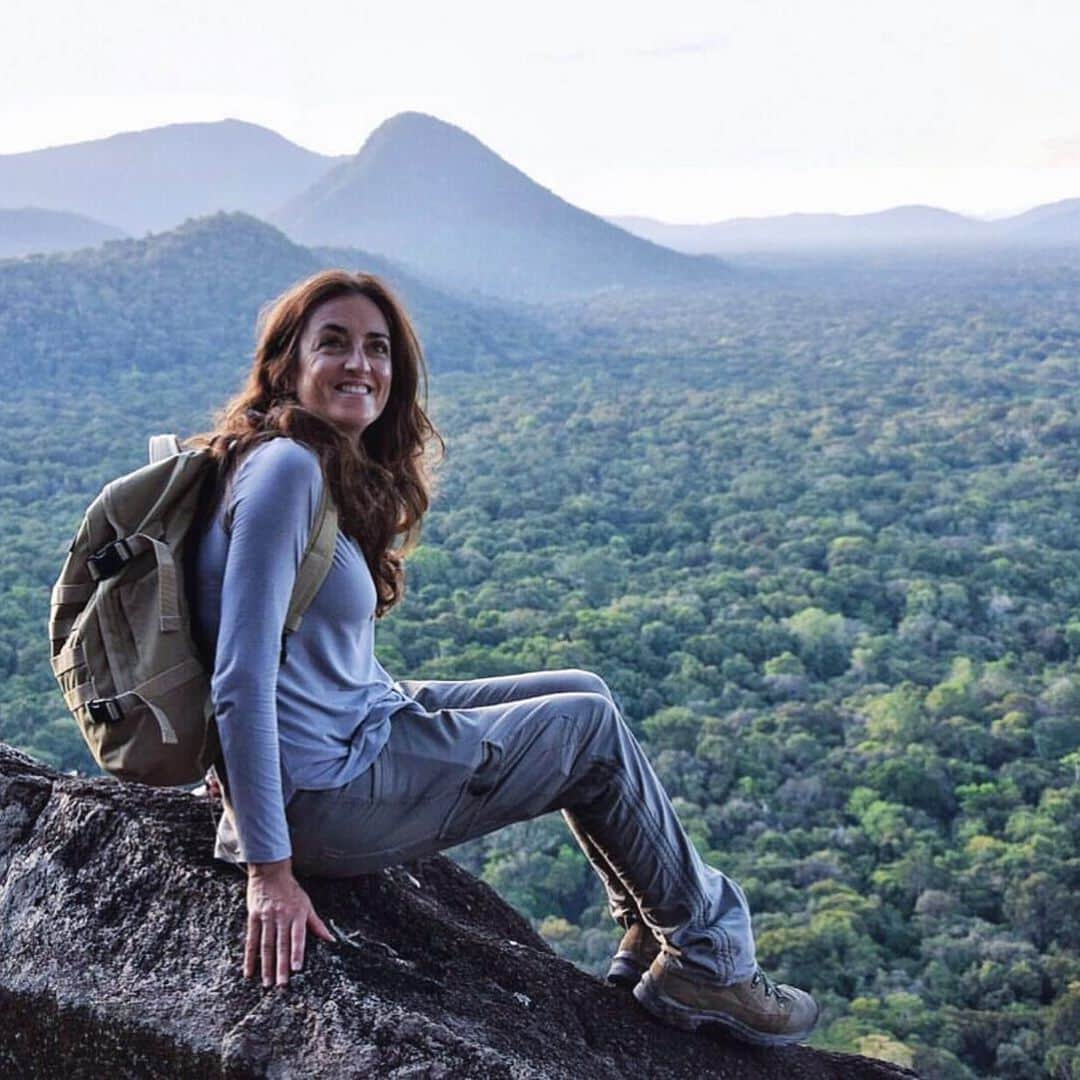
x: 1050, y: 225
x: 31, y: 229
x: 424, y: 193
x: 154, y: 179
x: 435, y: 198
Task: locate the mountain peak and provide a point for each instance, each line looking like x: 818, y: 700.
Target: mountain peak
x: 418, y: 136
x: 230, y: 224
x: 412, y: 123
x: 428, y: 194
x: 414, y: 119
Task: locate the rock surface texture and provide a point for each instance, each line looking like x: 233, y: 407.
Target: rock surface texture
x: 120, y: 948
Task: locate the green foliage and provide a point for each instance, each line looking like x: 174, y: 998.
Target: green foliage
x: 673, y: 728
x: 823, y: 640
x: 817, y: 530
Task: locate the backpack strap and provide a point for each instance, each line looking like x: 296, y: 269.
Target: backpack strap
x: 162, y: 447
x: 315, y: 564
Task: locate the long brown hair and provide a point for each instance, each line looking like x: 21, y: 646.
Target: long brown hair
x: 380, y: 483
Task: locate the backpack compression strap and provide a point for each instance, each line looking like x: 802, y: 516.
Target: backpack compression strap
x: 315, y: 564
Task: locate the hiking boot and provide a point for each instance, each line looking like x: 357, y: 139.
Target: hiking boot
x: 756, y: 1011
x: 636, y: 952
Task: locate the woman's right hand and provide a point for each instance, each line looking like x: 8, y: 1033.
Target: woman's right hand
x: 279, y: 916
x: 212, y: 783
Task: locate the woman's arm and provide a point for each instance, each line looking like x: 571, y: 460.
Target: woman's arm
x: 273, y: 502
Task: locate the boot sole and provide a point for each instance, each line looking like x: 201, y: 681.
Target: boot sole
x: 625, y: 971
x: 688, y: 1019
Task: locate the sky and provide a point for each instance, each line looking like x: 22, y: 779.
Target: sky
x: 683, y: 111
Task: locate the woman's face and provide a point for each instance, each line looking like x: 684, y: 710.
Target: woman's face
x: 345, y: 365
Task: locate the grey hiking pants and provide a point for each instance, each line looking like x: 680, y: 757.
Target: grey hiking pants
x: 474, y: 756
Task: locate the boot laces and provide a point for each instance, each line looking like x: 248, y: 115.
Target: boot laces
x: 770, y: 987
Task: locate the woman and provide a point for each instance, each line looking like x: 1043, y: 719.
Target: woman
x: 335, y: 769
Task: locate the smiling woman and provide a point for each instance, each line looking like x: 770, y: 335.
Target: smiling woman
x: 333, y: 768
x: 331, y: 416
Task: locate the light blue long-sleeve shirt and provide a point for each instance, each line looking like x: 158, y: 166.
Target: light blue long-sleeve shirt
x: 318, y: 720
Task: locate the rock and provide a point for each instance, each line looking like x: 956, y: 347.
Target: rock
x: 121, y: 942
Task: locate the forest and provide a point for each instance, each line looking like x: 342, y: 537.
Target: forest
x: 816, y: 527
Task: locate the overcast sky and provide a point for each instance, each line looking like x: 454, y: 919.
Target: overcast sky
x: 677, y: 110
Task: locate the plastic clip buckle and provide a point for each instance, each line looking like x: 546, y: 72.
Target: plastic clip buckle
x: 104, y: 711
x: 109, y: 560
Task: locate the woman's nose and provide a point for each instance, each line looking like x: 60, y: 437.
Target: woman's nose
x: 357, y: 358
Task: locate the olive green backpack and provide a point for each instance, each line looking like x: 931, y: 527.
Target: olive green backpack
x: 120, y: 620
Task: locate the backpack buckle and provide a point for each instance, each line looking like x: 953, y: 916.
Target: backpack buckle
x: 104, y: 711
x: 109, y: 560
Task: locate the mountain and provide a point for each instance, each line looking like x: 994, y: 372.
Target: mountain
x: 901, y: 226
x: 32, y: 229
x: 188, y: 299
x: 154, y: 179
x: 433, y: 197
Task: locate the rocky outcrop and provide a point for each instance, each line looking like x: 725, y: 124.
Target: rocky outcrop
x: 120, y: 947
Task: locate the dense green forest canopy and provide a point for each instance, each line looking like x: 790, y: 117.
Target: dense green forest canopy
x: 817, y: 529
